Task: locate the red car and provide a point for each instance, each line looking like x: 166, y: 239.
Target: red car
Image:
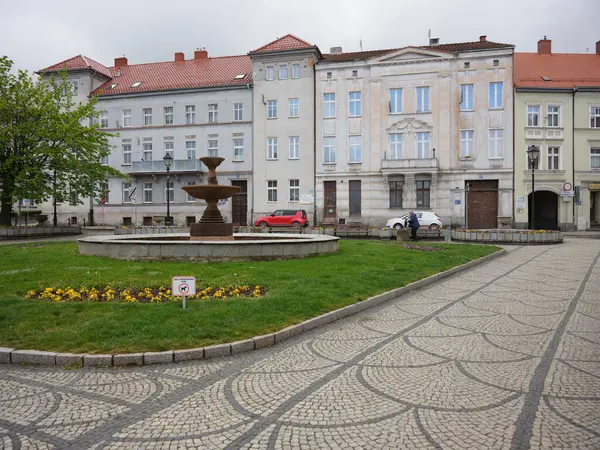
x: 284, y: 218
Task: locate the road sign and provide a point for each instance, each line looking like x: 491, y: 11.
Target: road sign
x: 567, y: 186
x: 457, y: 202
x: 567, y: 193
x: 183, y: 286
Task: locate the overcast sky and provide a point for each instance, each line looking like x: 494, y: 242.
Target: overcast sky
x: 36, y: 33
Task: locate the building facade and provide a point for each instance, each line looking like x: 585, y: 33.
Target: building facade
x: 416, y: 128
x: 557, y: 109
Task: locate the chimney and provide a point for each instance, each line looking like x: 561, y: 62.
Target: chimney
x: 434, y: 41
x: 200, y: 54
x: 482, y: 38
x: 335, y: 50
x: 121, y: 62
x: 179, y: 57
x: 545, y: 46
x: 598, y: 48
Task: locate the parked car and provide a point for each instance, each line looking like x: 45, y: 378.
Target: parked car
x: 426, y: 219
x: 284, y: 218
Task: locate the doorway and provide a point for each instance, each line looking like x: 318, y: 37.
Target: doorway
x: 546, y: 210
x: 240, y: 203
x: 330, y: 200
x: 482, y: 204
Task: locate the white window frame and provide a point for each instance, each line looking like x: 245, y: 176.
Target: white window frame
x: 396, y: 100
x: 238, y: 149
x: 213, y: 113
x: 104, y: 160
x: 329, y: 106
x: 495, y: 143
x: 126, y: 148
x: 355, y: 103
x: 190, y: 150
x: 126, y: 189
x: 271, y: 191
x: 170, y: 148
x: 147, y: 149
x: 296, y: 73
x: 213, y: 147
x: 147, y: 189
x: 190, y: 114
x: 355, y: 149
x: 270, y: 73
x: 75, y: 86
x: 169, y: 115
x: 423, y: 101
x: 467, y: 97
x: 531, y: 115
x: 557, y: 114
x: 294, y: 191
x: 294, y: 147
x: 271, y: 109
x: 283, y: 72
x: 170, y: 191
x: 103, y: 119
x: 595, y: 155
x: 467, y: 148
x: 126, y: 118
x: 548, y: 156
x: 293, y: 107
x: 423, y: 143
x: 188, y: 197
x: 396, y: 145
x: 493, y: 94
x: 595, y: 116
x: 272, y: 148
x: 329, y: 150
x: 238, y: 112
x: 147, y: 116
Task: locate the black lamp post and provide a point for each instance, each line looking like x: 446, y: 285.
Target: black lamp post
x: 533, y: 154
x: 168, y: 159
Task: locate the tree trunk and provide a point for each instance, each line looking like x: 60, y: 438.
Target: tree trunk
x: 6, y: 204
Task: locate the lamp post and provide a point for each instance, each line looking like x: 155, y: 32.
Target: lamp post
x: 533, y: 154
x: 168, y: 159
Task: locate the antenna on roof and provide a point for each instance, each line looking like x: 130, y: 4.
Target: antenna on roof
x: 360, y: 45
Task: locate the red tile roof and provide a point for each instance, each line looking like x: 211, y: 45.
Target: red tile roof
x: 565, y: 70
x: 287, y: 42
x: 164, y: 76
x: 79, y: 62
x: 459, y: 47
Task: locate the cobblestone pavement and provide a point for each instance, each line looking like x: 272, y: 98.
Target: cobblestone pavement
x: 506, y: 355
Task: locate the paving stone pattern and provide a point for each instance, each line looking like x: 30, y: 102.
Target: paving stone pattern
x: 506, y: 355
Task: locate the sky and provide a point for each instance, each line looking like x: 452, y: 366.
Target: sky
x: 36, y: 34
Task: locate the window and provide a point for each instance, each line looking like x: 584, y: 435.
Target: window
x: 354, y: 197
x: 395, y: 194
x: 466, y: 144
x: 190, y: 149
x: 170, y: 149
x: 169, y: 192
x: 213, y: 113
x: 329, y: 105
x: 283, y: 72
x: 355, y: 107
x: 355, y: 73
x: 168, y: 115
x: 213, y: 148
x: 496, y: 144
x: 294, y: 190
x: 595, y: 117
x: 147, y: 116
x: 533, y: 116
x: 355, y: 150
x: 188, y: 197
x: 423, y: 193
x: 553, y: 158
x: 272, y: 190
x: 295, y: 70
x: 272, y: 109
x: 423, y: 99
x: 126, y: 192
x: 104, y: 192
x: 466, y: 97
x: 272, y: 148
x: 422, y: 145
x: 329, y: 74
x: 104, y: 160
x: 75, y: 86
x: 294, y: 147
x: 396, y: 146
x: 126, y: 154
x: 395, y: 101
x: 329, y: 150
x: 270, y: 74
x: 495, y: 95
x: 238, y: 111
x: 147, y: 147
x: 190, y: 114
x: 104, y: 119
x: 594, y: 158
x: 553, y: 115
x: 238, y: 149
x: 294, y: 107
x: 126, y: 117
x: 147, y: 192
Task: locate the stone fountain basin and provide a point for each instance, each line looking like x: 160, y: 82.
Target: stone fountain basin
x: 179, y: 247
x: 211, y: 191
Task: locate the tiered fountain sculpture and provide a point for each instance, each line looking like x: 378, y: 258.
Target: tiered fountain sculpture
x: 212, y: 226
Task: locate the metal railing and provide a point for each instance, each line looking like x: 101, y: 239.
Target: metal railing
x: 415, y: 163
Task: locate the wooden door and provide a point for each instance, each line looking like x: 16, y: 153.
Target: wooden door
x: 239, y: 204
x: 482, y: 204
x: 330, y: 200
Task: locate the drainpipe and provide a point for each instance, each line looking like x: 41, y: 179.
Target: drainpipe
x: 514, y: 173
x: 573, y: 156
x: 315, y: 145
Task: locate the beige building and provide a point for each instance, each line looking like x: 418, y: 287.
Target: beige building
x: 557, y: 109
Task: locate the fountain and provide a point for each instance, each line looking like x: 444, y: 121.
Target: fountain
x: 212, y: 239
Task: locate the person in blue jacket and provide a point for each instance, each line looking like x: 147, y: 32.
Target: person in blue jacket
x: 413, y: 224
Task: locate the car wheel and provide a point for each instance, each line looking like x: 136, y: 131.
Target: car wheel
x: 398, y: 226
x: 263, y: 224
x: 296, y: 225
x: 434, y: 226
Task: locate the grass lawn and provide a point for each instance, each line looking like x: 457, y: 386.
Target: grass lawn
x: 296, y: 290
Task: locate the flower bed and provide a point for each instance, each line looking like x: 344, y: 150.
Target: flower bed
x: 509, y: 236
x: 139, y: 295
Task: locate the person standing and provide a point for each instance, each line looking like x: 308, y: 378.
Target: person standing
x: 413, y: 224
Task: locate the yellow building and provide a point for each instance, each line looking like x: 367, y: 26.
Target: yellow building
x: 557, y: 109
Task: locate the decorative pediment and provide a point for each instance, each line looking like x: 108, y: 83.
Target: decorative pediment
x: 410, y: 55
x: 409, y: 125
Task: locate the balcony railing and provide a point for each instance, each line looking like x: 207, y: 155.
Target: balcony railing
x: 418, y: 163
x: 158, y: 166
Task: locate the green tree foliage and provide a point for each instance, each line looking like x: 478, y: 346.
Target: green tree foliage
x: 49, y: 145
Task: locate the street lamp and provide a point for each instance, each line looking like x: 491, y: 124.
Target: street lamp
x: 533, y: 154
x: 168, y: 159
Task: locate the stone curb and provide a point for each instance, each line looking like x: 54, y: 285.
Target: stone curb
x: 11, y: 356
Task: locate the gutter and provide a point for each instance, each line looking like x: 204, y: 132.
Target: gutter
x: 513, y: 150
x: 315, y: 145
x: 573, y: 149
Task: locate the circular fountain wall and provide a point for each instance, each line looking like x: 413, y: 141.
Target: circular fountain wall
x: 179, y: 247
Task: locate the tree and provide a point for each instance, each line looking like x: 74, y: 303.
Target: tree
x: 49, y: 146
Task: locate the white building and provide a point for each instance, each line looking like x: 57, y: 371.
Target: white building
x: 410, y: 128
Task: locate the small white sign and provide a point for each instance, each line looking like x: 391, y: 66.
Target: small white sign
x: 183, y: 286
x: 520, y: 202
x: 567, y: 194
